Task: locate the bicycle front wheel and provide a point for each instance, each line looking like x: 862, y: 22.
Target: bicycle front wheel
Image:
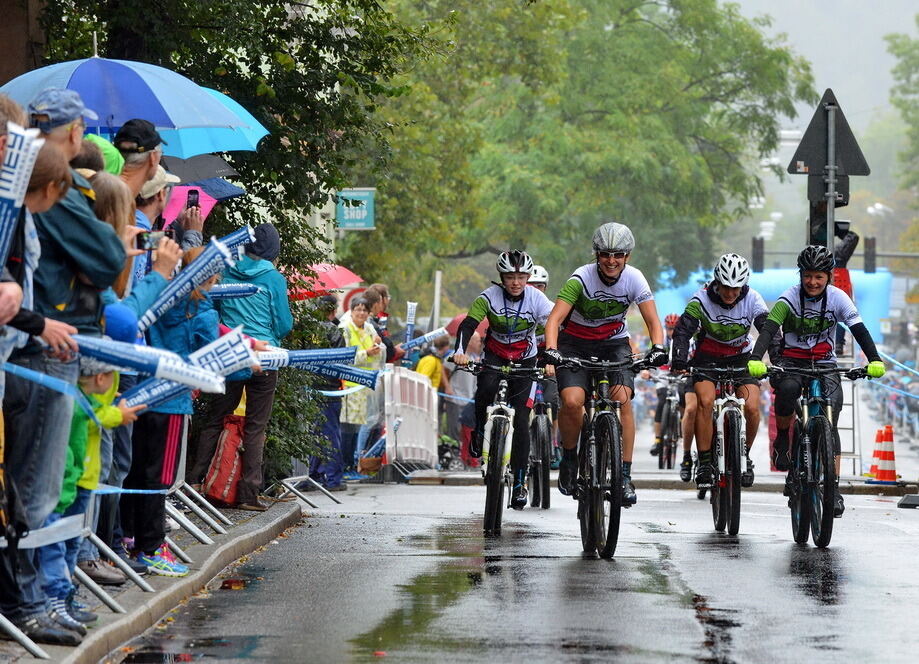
x: 671, y: 441
x: 494, y: 477
x: 799, y: 500
x: 732, y: 466
x: 542, y: 442
x: 719, y: 493
x: 582, y: 489
x: 823, y: 490
x: 607, y: 497
x: 665, y: 433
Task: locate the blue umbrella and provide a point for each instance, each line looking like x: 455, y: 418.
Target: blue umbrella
x: 203, y: 140
x: 119, y: 90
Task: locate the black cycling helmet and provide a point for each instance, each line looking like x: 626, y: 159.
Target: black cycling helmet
x: 816, y: 258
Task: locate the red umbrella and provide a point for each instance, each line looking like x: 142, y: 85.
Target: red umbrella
x: 328, y: 277
x: 453, y: 325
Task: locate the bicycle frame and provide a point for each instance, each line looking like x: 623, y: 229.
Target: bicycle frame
x: 810, y: 404
x: 500, y: 408
x: 726, y: 400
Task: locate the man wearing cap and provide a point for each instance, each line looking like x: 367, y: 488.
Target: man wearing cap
x: 139, y: 143
x: 150, y: 202
x: 265, y: 315
x: 80, y: 256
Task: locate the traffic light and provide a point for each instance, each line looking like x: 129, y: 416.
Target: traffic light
x: 758, y: 258
x: 871, y: 257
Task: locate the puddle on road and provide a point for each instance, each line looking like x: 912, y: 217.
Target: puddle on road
x: 156, y: 650
x: 819, y: 573
x: 717, y: 625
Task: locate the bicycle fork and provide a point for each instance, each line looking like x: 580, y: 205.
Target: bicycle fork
x: 722, y: 407
x: 493, y: 413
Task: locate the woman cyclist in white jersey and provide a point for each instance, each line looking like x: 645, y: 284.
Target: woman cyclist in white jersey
x: 591, y: 308
x: 514, y: 310
x: 807, y: 314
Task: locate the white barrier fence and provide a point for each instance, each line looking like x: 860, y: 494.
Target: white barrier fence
x: 410, y: 412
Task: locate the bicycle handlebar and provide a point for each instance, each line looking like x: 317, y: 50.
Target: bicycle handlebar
x: 476, y: 368
x: 851, y: 374
x: 594, y: 364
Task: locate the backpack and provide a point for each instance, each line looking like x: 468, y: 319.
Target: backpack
x: 226, y: 467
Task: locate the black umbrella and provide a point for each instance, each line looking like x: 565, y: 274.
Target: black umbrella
x: 202, y: 167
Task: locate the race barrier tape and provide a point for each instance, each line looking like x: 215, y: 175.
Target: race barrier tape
x: 121, y: 354
x: 305, y: 359
x: 341, y: 393
x: 22, y: 148
x: 213, y: 260
x: 412, y: 308
x: 233, y: 291
x: 453, y: 397
x: 429, y: 337
x: 55, y: 384
x: 223, y: 356
x: 897, y: 363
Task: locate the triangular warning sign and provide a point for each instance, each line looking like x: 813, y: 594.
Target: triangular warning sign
x: 811, y: 158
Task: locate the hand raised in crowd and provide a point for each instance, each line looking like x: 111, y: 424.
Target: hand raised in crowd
x: 377, y: 347
x: 191, y: 219
x: 10, y: 300
x: 167, y: 256
x: 129, y: 239
x: 260, y: 345
x: 57, y: 335
x: 129, y: 413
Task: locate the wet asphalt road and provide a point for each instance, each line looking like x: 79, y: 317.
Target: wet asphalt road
x: 403, y: 574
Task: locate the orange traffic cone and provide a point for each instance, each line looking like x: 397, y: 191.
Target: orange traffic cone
x: 887, y: 465
x: 878, y: 444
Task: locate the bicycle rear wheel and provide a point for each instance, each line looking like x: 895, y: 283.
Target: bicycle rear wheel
x: 534, y: 476
x: 588, y: 533
x: 607, y: 498
x: 799, y: 499
x: 823, y: 491
x: 494, y: 477
x: 543, y: 443
x: 673, y: 439
x: 732, y: 466
x: 665, y: 432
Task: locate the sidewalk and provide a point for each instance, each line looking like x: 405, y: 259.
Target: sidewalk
x: 249, y: 531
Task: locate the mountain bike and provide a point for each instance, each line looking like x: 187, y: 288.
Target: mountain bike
x: 598, y: 488
x: 729, y: 445
x: 498, y: 440
x: 540, y: 450
x: 671, y: 426
x: 811, y: 482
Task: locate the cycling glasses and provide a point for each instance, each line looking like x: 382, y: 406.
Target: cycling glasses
x: 618, y: 255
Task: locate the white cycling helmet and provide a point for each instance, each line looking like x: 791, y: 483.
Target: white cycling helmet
x: 732, y: 271
x: 514, y: 261
x: 613, y: 236
x: 539, y: 275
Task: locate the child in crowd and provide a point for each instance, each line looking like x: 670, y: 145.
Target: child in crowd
x: 160, y: 432
x: 98, y: 383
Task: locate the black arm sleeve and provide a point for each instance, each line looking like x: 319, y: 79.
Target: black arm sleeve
x: 28, y: 321
x: 759, y: 321
x: 464, y: 333
x: 844, y: 249
x: 685, y: 328
x: 766, y: 332
x: 865, y: 342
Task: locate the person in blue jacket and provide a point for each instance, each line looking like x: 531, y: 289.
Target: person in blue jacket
x: 265, y: 315
x: 160, y: 431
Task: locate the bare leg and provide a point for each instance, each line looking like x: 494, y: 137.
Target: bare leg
x: 750, y: 395
x: 571, y: 416
x: 705, y: 394
x: 688, y: 423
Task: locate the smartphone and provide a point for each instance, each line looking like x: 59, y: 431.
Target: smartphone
x: 148, y: 240
x: 192, y: 200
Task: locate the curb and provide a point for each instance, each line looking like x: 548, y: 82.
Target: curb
x: 146, y: 609
x: 848, y: 487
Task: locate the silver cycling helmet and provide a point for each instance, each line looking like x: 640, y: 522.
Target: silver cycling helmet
x: 732, y: 271
x: 514, y: 261
x: 612, y: 237
x: 539, y: 275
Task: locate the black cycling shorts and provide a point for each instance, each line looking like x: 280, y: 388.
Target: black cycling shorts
x: 610, y: 351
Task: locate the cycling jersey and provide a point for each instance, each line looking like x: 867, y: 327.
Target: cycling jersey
x: 511, y: 324
x: 809, y: 333
x: 598, y: 310
x: 719, y: 330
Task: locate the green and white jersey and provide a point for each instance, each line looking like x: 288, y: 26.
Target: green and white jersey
x: 598, y: 311
x: 511, y: 325
x: 724, y: 331
x: 809, y: 333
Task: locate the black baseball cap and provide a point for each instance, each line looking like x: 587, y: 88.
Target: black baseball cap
x: 137, y: 136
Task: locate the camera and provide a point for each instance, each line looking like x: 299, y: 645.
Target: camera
x: 149, y: 239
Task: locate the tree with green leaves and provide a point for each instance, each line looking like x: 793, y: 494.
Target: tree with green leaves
x: 905, y: 97
x: 653, y: 113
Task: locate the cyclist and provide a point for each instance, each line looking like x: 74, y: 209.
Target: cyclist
x: 591, y: 307
x: 720, y: 315
x: 540, y: 281
x: 660, y: 385
x: 513, y: 311
x: 807, y: 314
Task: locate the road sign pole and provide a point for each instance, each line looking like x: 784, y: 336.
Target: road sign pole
x: 830, y: 173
